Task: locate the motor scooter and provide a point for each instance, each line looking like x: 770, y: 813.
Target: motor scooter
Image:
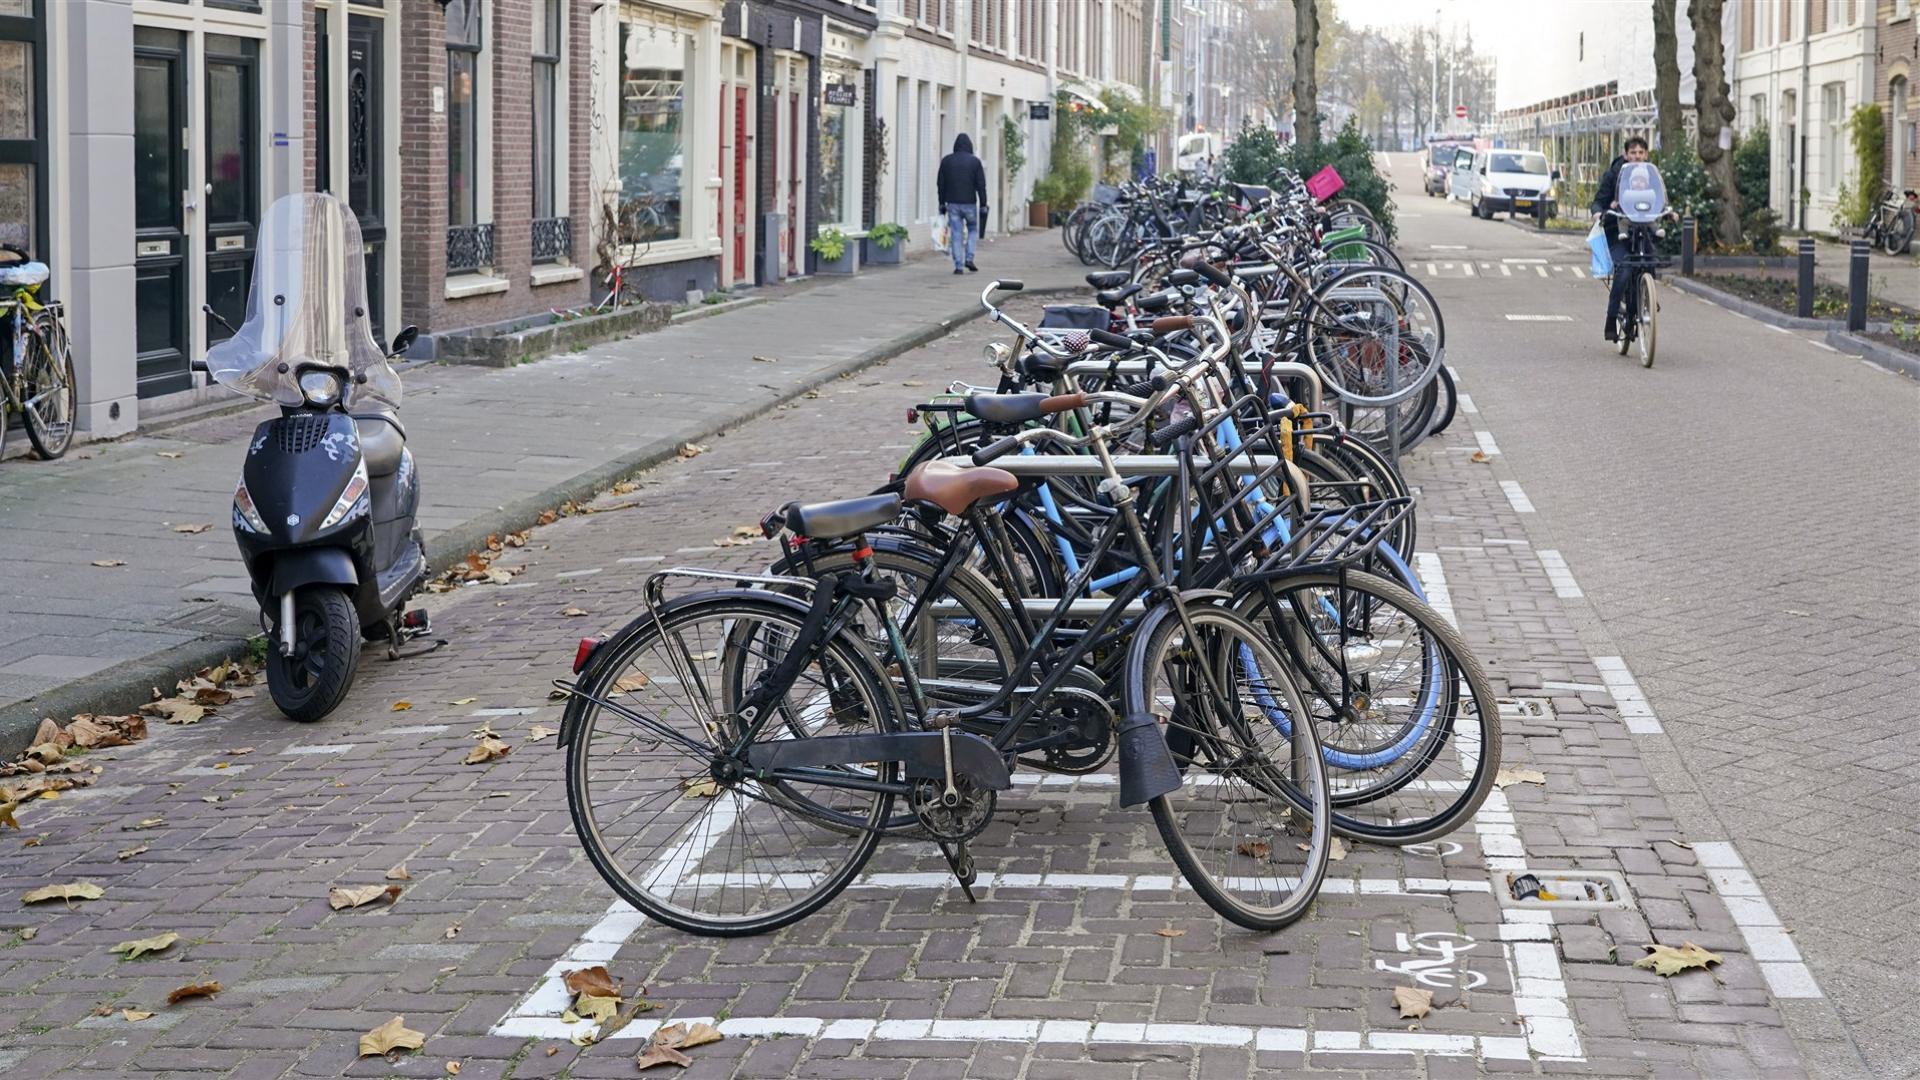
x: 325, y: 512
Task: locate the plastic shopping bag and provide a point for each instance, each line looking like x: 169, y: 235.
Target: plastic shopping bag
x: 942, y: 235
x: 1602, y: 255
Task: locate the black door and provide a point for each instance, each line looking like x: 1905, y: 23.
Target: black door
x: 160, y: 183
x: 233, y: 189
x: 366, y: 167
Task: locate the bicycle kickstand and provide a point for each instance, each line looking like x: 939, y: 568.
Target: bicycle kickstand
x: 960, y: 860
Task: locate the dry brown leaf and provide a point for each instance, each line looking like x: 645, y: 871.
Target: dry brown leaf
x: 488, y: 749
x: 625, y: 487
x: 1254, y: 849
x: 129, y: 853
x: 147, y: 823
x: 239, y: 751
x: 519, y: 539
x: 597, y: 1009
x: 402, y: 706
x: 47, y: 732
x: 6, y: 818
x: 134, y: 1016
x: 452, y: 932
x: 169, y: 454
x: 700, y: 787
x: 453, y: 1068
x: 109, y: 562
x: 1509, y: 777
x: 390, y: 1036
x: 1168, y: 931
x: 76, y: 890
x: 591, y: 982
x: 212, y: 695
x: 540, y: 731
x: 95, y: 732
x: 1480, y: 456
x: 1669, y: 961
x: 175, y: 710
x: 46, y: 753
x: 1412, y: 1002
x: 136, y: 949
x: 399, y: 873
x: 1337, y: 851
x: 690, y: 450
x: 758, y: 359
x: 193, y: 529
x: 573, y: 612
x: 700, y: 1035
x: 340, y: 897
x: 28, y: 933
x: 658, y: 1053
x: 547, y: 517
x: 632, y: 681
x: 193, y: 990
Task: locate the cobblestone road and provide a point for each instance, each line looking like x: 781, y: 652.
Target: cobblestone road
x: 1062, y: 969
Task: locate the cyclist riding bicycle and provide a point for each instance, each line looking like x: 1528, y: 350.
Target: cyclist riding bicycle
x: 1606, y: 197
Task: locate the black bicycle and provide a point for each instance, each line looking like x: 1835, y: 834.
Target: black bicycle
x: 1641, y: 260
x: 36, y: 368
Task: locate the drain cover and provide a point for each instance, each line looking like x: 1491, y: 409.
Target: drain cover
x: 1569, y: 889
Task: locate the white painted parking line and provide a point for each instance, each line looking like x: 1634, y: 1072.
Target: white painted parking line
x: 1448, y: 247
x: 332, y: 748
x: 1575, y: 687
x: 1468, y: 268
x: 564, y: 575
x: 1539, y: 318
x: 1558, y: 573
x: 1519, y: 261
x: 1521, y: 504
x: 1431, y: 272
x: 1487, y: 445
x: 1776, y: 329
x: 1769, y: 943
x: 642, y: 559
x: 1467, y: 406
x: 520, y: 711
x: 417, y: 729
x: 1541, y: 270
x: 1505, y: 270
x: 1633, y: 706
x: 1822, y: 345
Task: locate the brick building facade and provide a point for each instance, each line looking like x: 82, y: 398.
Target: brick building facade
x: 1898, y: 54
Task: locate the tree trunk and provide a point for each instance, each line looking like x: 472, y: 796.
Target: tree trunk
x: 1714, y: 112
x: 1306, y: 92
x: 1666, y: 73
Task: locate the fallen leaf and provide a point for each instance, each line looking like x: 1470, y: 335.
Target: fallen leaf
x: 452, y: 932
x: 487, y: 750
x: 658, y: 1053
x: 134, y: 950
x: 46, y: 753
x: 239, y: 751
x: 597, y: 1009
x: 625, y: 487
x: 552, y: 1050
x: 1669, y: 961
x: 28, y: 933
x: 700, y: 787
x: 1412, y: 1002
x: 1168, y: 931
x: 1509, y: 777
x: 1254, y: 849
x: 390, y: 1036
x: 765, y: 360
x: 109, y: 562
x: 540, y: 731
x: 1480, y: 456
x: 102, y: 1010
x: 464, y: 701
x: 574, y: 612
x: 193, y: 529
x: 402, y: 706
x: 131, y: 852
x: 78, y: 890
x: 92, y: 732
x: 148, y: 823
x: 591, y: 982
x: 700, y: 1035
x: 341, y: 896
x: 547, y: 517
x: 193, y: 990
x: 399, y: 873
x: 166, y: 453
x: 7, y: 819
x: 634, y: 681
x: 690, y: 450
x: 134, y: 1016
x: 212, y: 695
x: 1337, y: 851
x: 175, y: 710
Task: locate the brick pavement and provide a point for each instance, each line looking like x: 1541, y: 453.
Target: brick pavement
x: 1058, y: 974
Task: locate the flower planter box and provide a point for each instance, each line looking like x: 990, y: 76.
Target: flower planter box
x: 875, y: 255
x: 1037, y: 215
x: 847, y: 263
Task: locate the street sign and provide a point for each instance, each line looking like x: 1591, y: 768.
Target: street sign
x: 1040, y: 110
x: 1460, y: 111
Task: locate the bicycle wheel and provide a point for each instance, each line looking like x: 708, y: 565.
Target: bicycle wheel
x: 1249, y: 827
x: 1449, y: 401
x: 1376, y: 335
x: 1409, y: 723
x: 673, y: 834
x: 1629, y: 318
x: 47, y: 392
x: 1648, y: 336
x: 1899, y: 233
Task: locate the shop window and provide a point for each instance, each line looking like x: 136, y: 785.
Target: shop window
x: 655, y: 60
x: 20, y: 149
x: 840, y: 146
x: 547, y: 36
x: 469, y: 237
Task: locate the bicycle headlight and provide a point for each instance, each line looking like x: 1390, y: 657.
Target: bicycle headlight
x: 320, y: 388
x: 350, y: 496
x: 999, y: 356
x: 245, y: 516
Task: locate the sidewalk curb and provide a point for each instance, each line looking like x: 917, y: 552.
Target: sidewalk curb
x: 1894, y: 360
x: 126, y: 686
x: 1756, y: 311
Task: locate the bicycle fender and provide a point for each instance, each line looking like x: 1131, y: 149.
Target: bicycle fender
x: 921, y: 753
x: 1147, y: 766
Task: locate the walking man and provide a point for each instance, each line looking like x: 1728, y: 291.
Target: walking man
x: 963, y: 196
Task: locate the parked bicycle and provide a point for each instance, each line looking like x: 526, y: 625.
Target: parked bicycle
x: 1891, y: 225
x: 36, y: 375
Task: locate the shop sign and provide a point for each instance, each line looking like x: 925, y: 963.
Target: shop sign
x: 842, y: 94
x: 1040, y: 110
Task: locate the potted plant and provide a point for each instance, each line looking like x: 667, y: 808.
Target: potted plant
x: 1045, y: 193
x: 836, y: 255
x: 883, y: 245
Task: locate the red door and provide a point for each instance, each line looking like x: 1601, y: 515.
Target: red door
x: 740, y: 159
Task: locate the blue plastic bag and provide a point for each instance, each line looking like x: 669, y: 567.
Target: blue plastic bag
x: 1602, y: 255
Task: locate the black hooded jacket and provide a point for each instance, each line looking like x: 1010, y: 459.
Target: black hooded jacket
x: 1605, y: 194
x: 963, y: 180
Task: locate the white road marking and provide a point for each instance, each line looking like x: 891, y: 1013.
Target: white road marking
x: 1431, y: 272
x: 1542, y: 270
x: 1517, y: 262
x: 1487, y: 445
x: 1772, y: 948
x: 1448, y: 247
x: 417, y: 729
x: 1468, y: 267
x: 1521, y: 504
x: 1822, y: 345
x: 642, y: 559
x: 1539, y: 318
x: 504, y: 712
x: 1576, y: 687
x: 333, y: 748
x: 1467, y: 406
x: 1633, y: 706
x: 1776, y: 329
x: 1505, y: 270
x: 564, y: 575
x: 1560, y: 575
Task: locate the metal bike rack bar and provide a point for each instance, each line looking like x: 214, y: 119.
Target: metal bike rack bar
x: 1127, y: 464
x: 1282, y: 369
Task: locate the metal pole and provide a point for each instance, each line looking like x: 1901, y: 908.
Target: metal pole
x: 1857, y: 288
x: 1804, y: 305
x: 1689, y: 229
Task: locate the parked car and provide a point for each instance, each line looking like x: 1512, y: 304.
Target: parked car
x: 1437, y: 167
x: 1512, y: 181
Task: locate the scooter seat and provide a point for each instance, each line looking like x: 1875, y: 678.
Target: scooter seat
x: 381, y: 443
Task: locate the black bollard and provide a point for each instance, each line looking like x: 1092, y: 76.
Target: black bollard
x: 1857, y: 287
x: 1804, y: 308
x: 1689, y: 229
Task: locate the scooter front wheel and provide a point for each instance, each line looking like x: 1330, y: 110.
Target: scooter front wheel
x: 326, y: 649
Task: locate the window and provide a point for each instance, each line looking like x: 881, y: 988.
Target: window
x: 1900, y: 122
x: 1833, y: 107
x: 20, y: 150
x: 547, y: 36
x: 839, y: 146
x: 653, y: 96
x: 464, y: 37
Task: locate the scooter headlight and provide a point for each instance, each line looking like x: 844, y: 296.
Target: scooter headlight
x: 351, y: 496
x: 245, y: 516
x: 320, y: 388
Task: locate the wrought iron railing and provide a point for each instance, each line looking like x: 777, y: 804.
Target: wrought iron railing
x: 469, y: 247
x: 552, y: 239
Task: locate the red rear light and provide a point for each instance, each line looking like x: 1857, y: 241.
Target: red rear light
x: 585, y: 652
x: 913, y: 416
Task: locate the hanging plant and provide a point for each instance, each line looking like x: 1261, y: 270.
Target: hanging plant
x: 1013, y: 146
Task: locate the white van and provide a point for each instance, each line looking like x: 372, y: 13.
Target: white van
x: 1514, y: 181
x: 1197, y: 153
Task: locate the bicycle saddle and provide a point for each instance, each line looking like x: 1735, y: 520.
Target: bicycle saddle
x: 842, y: 518
x: 1108, y: 279
x: 953, y: 488
x: 1115, y: 297
x: 1014, y: 408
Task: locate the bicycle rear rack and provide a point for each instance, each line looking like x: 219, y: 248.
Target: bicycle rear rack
x: 1333, y: 539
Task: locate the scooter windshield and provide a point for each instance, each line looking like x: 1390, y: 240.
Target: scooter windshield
x: 1642, y: 194
x: 308, y: 306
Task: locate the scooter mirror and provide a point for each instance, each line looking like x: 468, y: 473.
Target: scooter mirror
x: 404, y: 340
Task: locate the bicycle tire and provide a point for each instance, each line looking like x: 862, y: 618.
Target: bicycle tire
x: 1629, y: 318
x: 1898, y: 236
x: 1449, y: 402
x: 1377, y: 785
x: 1345, y: 366
x: 47, y: 391
x: 814, y: 842
x: 1240, y: 770
x: 1648, y: 336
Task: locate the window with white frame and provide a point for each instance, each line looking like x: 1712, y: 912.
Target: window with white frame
x: 655, y: 62
x: 1833, y: 107
x: 840, y: 144
x: 469, y: 228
